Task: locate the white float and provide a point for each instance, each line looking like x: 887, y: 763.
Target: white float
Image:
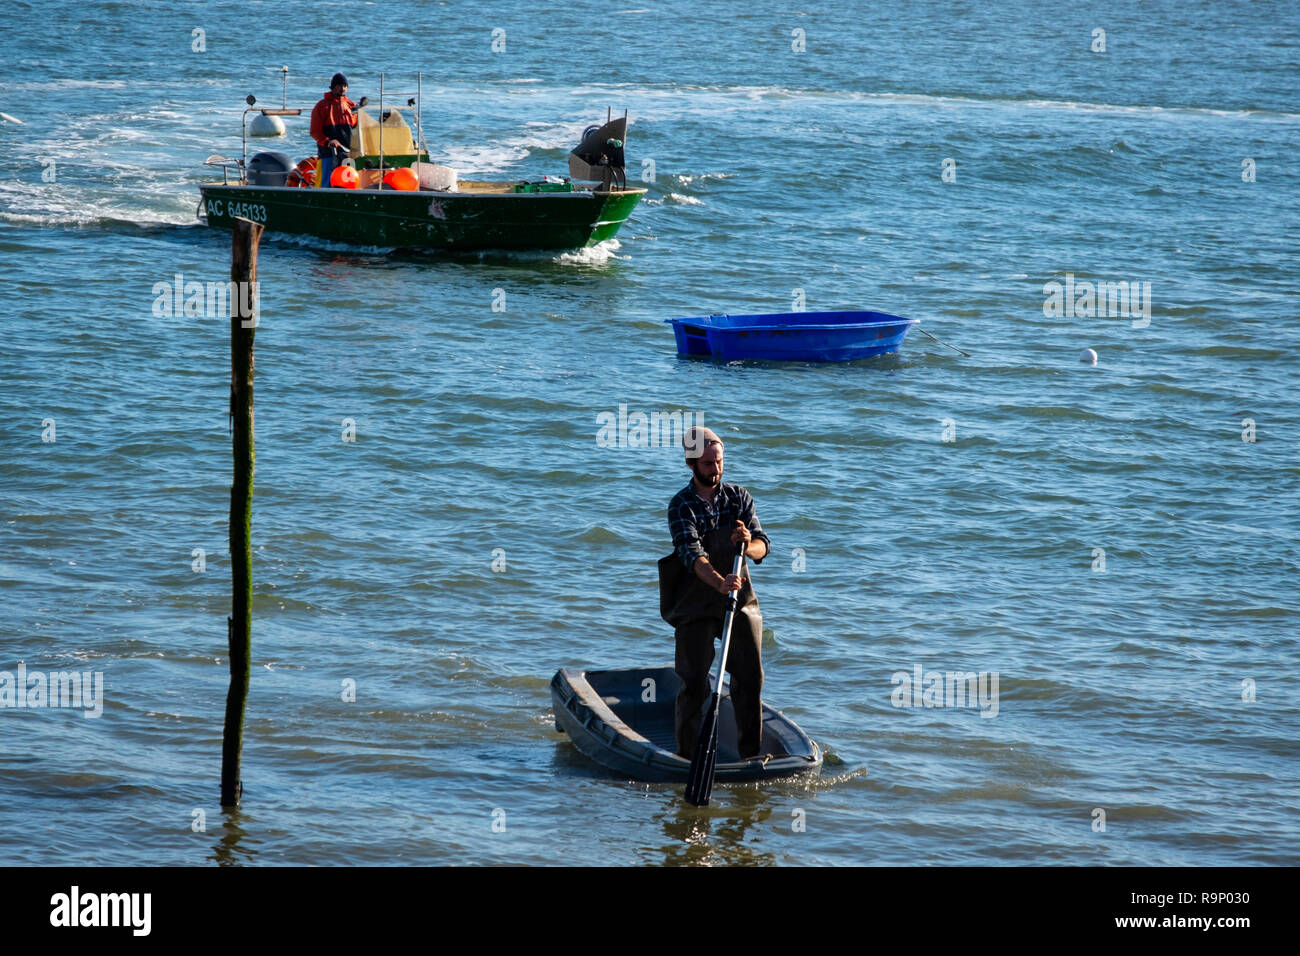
x: 435, y: 177
x: 263, y: 125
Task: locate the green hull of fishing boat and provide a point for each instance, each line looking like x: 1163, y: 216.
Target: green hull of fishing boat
x: 444, y: 213
x: 479, y: 216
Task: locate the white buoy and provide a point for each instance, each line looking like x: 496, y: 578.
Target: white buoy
x: 263, y: 125
x: 10, y: 119
x: 1089, y: 357
x: 435, y: 177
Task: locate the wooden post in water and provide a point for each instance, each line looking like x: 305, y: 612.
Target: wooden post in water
x: 239, y: 629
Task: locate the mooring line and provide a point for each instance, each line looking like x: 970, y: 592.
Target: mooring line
x: 944, y: 344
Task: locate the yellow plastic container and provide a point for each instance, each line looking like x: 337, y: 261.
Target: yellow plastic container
x: 394, y: 133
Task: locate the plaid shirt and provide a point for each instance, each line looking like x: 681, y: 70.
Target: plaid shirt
x: 690, y: 518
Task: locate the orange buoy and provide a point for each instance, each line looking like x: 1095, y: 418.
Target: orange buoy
x: 304, y: 174
x: 345, y: 177
x: 402, y: 178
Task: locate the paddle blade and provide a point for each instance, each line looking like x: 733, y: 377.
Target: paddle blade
x: 699, y: 782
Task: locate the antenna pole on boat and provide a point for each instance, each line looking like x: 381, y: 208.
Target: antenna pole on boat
x: 284, y: 88
x: 381, y: 131
x: 250, y: 99
x: 419, y: 113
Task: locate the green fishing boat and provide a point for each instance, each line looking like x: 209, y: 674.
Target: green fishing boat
x: 431, y: 207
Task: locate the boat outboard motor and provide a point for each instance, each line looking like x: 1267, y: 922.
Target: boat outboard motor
x: 600, y: 154
x: 269, y: 169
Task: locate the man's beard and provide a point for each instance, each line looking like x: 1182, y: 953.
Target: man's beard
x: 708, y: 481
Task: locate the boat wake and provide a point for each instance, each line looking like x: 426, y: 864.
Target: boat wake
x: 672, y: 101
x: 84, y: 207
x: 599, y: 254
x: 505, y: 154
x: 317, y: 244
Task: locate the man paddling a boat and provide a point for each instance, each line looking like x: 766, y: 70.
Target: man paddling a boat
x: 709, y: 520
x: 332, y: 120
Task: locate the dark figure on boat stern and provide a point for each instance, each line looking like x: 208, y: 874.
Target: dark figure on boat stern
x: 708, y: 519
x: 332, y: 121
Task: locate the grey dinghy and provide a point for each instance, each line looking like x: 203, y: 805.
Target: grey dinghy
x: 621, y: 720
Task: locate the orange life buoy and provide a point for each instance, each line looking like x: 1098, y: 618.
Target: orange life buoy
x: 345, y: 177
x: 304, y: 174
x: 402, y: 178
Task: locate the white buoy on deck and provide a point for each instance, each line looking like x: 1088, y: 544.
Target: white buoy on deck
x: 263, y: 125
x: 1089, y: 357
x: 435, y: 177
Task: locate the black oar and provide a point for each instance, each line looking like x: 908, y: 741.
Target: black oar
x: 699, y: 782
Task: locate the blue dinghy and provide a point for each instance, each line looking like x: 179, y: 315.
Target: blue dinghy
x: 608, y: 717
x: 792, y: 336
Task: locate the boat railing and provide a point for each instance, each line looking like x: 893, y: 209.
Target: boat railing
x: 226, y: 163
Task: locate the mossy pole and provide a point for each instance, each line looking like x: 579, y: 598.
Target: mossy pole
x: 239, y: 626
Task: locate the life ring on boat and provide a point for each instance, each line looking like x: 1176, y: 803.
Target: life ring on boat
x: 304, y: 174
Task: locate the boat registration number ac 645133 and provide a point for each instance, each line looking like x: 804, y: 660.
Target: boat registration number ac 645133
x: 246, y: 210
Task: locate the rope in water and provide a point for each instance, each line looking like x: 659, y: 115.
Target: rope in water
x: 944, y: 344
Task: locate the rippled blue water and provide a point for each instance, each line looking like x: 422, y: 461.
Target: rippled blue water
x: 1157, y: 690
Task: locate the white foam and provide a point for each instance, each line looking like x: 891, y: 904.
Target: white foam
x: 600, y: 253
x: 481, y: 159
x: 672, y: 100
x: 79, y: 205
x: 510, y: 150
x: 686, y: 180
x: 51, y: 85
x: 923, y: 99
x: 327, y: 245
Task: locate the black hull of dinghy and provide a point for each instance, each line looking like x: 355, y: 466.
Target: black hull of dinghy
x: 623, y: 720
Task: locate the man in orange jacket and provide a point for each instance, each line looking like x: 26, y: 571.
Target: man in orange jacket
x: 332, y: 121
